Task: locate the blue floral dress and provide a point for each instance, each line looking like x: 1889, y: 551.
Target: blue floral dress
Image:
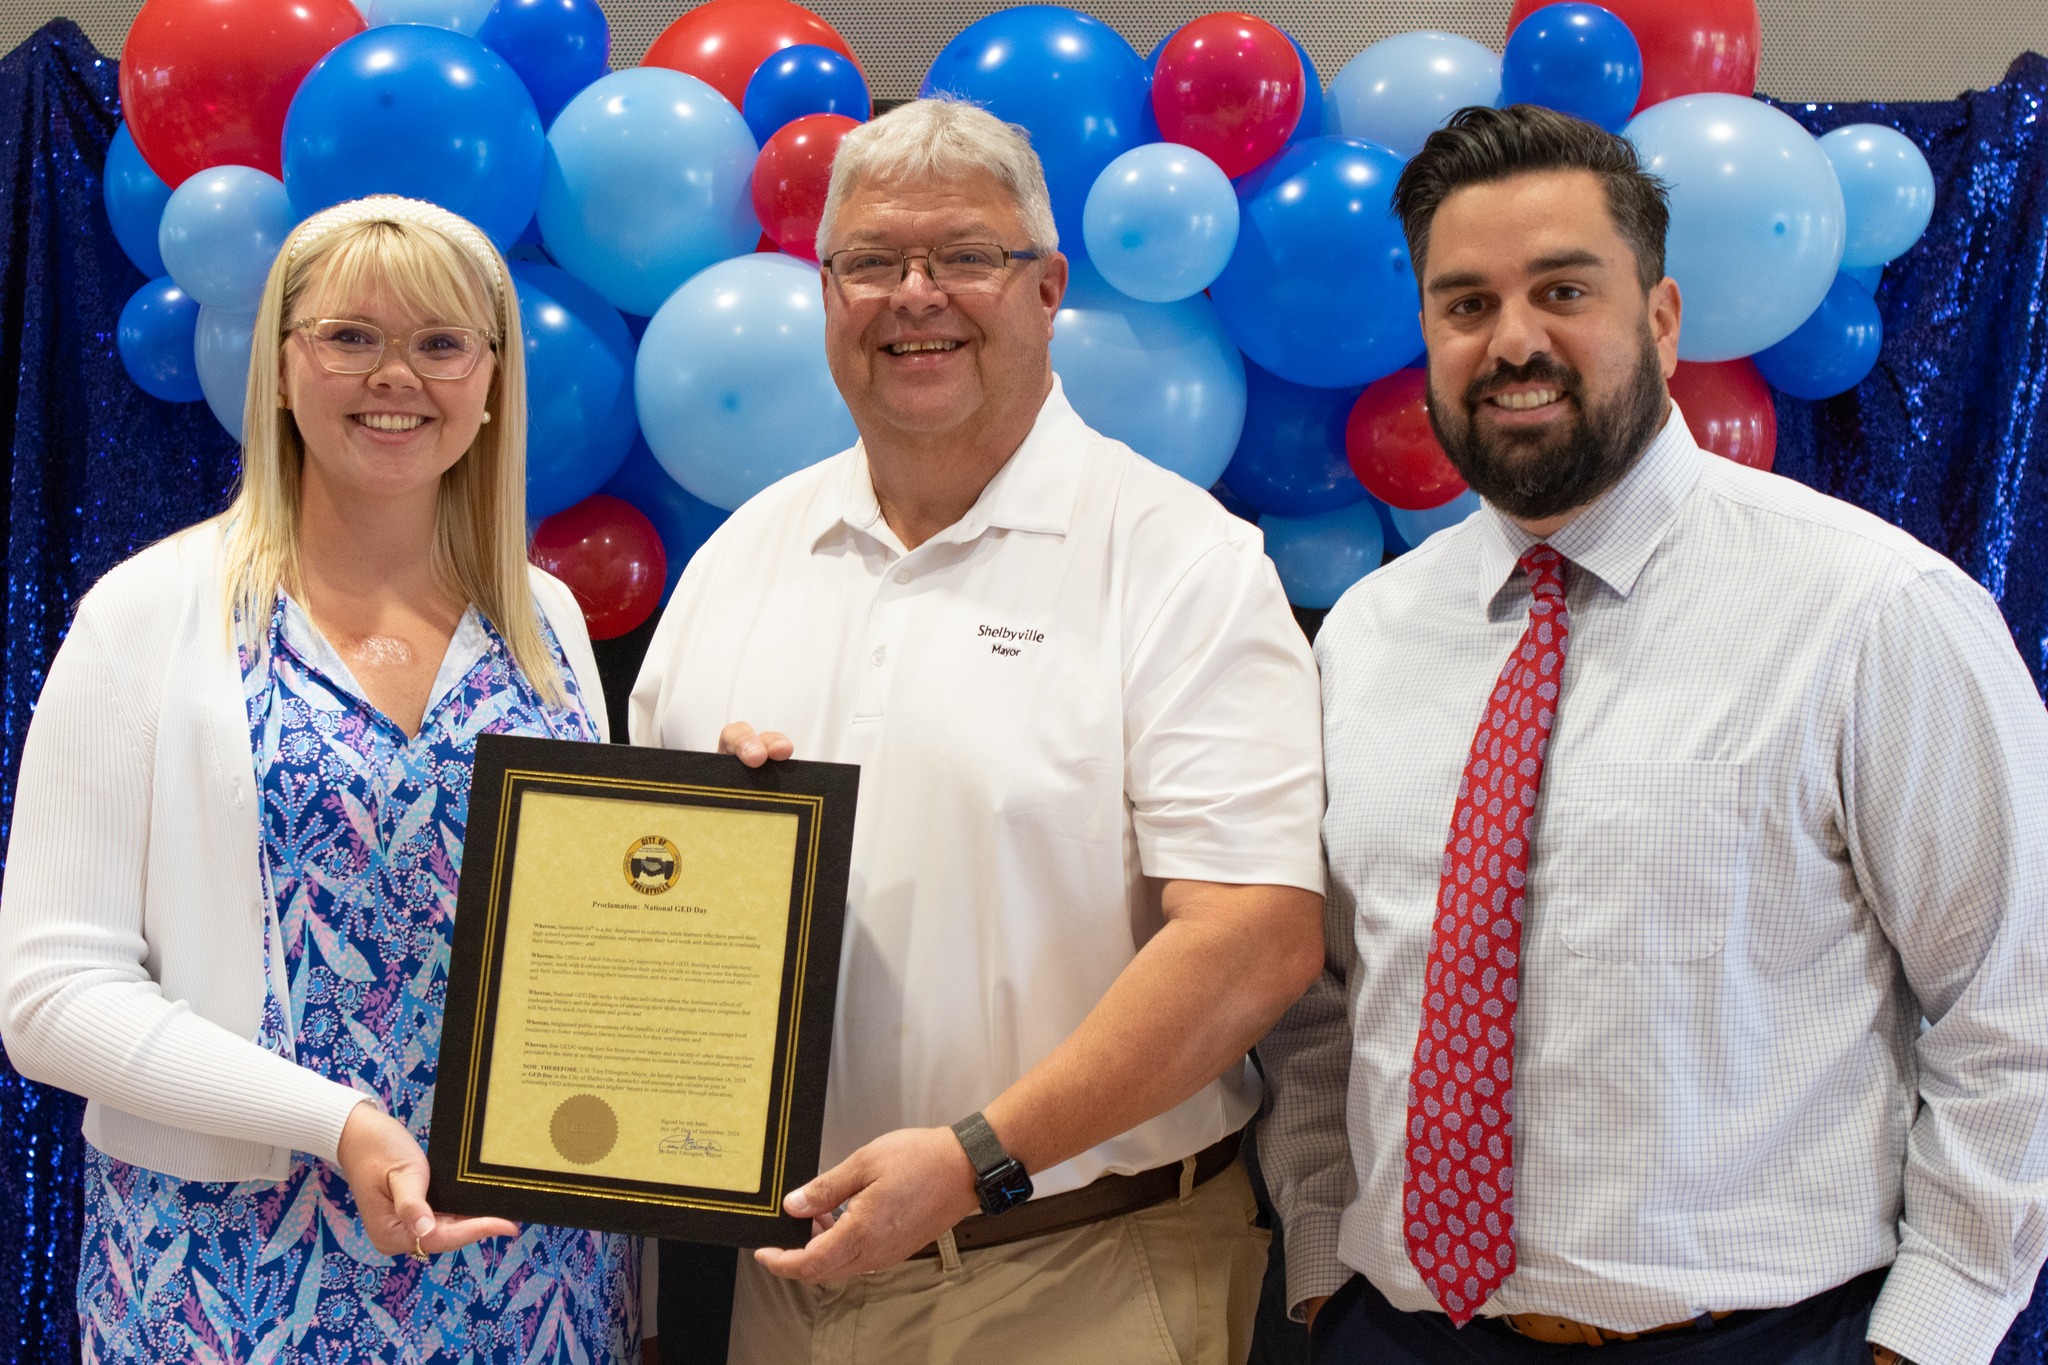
x: 362, y: 840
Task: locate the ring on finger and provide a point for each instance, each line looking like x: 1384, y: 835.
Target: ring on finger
x: 419, y: 1253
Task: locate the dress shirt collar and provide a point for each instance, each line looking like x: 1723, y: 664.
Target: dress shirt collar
x: 1033, y: 491
x: 1614, y: 538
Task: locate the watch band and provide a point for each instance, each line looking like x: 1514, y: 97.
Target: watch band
x: 1000, y: 1181
x: 984, y: 1152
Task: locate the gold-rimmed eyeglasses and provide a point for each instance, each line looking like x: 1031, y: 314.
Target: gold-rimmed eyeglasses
x: 350, y: 346
x: 956, y: 267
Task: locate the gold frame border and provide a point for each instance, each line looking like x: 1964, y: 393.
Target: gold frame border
x: 517, y: 778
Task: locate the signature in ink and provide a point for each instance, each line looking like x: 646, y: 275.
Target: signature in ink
x: 687, y: 1143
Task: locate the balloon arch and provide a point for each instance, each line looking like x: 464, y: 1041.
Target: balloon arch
x: 1242, y: 308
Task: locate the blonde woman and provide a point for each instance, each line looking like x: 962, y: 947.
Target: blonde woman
x: 231, y: 881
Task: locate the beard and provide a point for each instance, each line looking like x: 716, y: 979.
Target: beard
x: 1537, y: 474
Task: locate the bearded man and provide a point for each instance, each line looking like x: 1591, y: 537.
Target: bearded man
x: 1620, y: 1040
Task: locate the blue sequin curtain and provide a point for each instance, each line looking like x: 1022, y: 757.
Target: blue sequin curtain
x: 1940, y: 439
x: 95, y: 470
x: 1948, y: 437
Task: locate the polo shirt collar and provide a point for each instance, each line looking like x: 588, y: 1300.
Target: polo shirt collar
x: 1614, y: 538
x: 1033, y: 491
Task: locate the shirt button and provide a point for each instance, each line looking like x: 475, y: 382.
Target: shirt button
x: 880, y: 656
x: 903, y: 575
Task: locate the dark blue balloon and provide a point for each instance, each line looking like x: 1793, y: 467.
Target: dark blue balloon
x: 1832, y: 350
x: 800, y: 80
x: 1148, y: 122
x: 419, y: 111
x: 1319, y: 289
x: 1290, y: 460
x: 1311, y: 124
x: 1578, y: 59
x: 1233, y: 504
x: 154, y: 338
x: 1070, y: 80
x: 685, y: 522
x: 580, y: 419
x: 556, y: 46
x: 135, y: 196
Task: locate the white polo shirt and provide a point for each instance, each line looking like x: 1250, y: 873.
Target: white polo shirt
x: 1091, y: 679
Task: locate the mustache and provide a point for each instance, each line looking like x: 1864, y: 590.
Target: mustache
x: 1537, y: 369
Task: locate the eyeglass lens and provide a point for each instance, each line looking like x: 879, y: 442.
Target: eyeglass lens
x: 347, y: 347
x: 958, y: 267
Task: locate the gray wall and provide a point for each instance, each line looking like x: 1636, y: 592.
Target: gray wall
x: 1812, y: 49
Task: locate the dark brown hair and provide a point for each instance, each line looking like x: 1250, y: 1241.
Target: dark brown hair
x: 1479, y: 145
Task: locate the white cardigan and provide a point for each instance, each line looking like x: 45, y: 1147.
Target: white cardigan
x: 132, y: 916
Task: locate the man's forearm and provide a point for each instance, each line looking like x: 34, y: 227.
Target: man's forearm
x: 1210, y: 983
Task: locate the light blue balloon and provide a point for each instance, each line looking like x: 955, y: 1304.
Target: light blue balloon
x: 135, y: 197
x: 1757, y: 219
x: 462, y: 16
x: 649, y: 180
x: 1412, y: 528
x: 1163, y: 378
x: 221, y: 346
x: 731, y: 381
x: 1161, y: 222
x: 220, y: 232
x: 1320, y: 557
x: 1869, y: 276
x: 1887, y: 189
x: 1401, y: 89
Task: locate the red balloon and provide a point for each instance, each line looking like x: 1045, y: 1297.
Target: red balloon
x: 724, y: 42
x: 610, y: 555
x: 1689, y: 48
x: 1393, y: 449
x: 1231, y: 87
x: 791, y: 177
x: 1728, y: 406
x: 207, y: 82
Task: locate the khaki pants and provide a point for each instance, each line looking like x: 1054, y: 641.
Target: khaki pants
x: 1175, y: 1284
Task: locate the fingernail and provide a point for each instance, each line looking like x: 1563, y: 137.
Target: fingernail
x: 422, y: 1226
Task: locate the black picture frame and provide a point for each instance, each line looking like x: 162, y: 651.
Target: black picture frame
x: 507, y: 769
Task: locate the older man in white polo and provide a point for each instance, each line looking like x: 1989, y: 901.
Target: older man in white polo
x: 1086, y: 870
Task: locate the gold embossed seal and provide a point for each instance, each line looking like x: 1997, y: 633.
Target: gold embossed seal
x: 584, y: 1129
x: 652, y: 865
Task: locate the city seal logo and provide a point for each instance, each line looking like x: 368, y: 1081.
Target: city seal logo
x: 652, y: 865
x: 584, y: 1129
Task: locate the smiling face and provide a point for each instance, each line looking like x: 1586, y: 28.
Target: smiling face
x: 387, y: 434
x: 1547, y: 358
x: 919, y: 365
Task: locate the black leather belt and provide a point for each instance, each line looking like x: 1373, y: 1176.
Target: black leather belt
x: 1111, y: 1196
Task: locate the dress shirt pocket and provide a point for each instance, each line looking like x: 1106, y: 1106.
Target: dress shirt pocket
x: 1648, y: 861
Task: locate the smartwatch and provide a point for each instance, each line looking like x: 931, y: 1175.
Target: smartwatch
x: 999, y: 1178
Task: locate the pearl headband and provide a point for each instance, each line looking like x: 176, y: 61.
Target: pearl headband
x: 392, y: 208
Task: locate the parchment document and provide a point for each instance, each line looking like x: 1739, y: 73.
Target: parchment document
x: 636, y: 1016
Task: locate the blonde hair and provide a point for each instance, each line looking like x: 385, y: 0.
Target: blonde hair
x: 442, y: 271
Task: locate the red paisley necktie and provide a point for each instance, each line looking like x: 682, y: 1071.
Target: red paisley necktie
x: 1458, y: 1196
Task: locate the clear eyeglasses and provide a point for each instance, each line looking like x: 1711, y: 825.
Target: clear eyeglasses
x: 956, y: 268
x: 349, y: 346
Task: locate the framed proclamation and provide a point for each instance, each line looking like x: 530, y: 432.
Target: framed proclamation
x: 640, y: 1000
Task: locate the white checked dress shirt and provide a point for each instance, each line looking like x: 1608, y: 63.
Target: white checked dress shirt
x: 1796, y: 799
x: 1089, y: 680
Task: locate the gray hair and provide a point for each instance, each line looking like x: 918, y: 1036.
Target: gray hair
x: 943, y: 138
